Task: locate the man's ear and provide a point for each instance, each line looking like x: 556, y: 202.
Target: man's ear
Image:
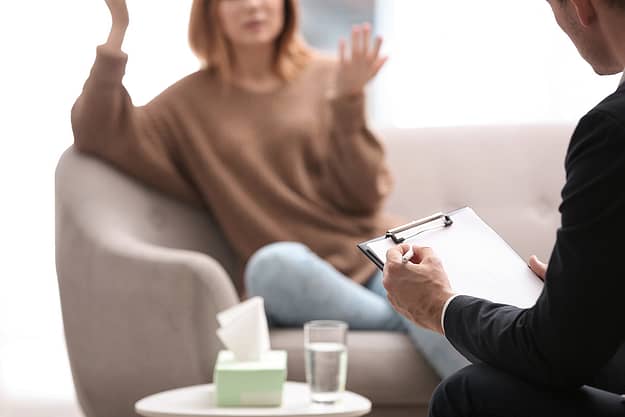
x: 585, y: 10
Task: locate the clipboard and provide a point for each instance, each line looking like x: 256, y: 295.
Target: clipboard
x: 477, y: 260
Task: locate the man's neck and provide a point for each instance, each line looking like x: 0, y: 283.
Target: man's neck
x: 613, y: 19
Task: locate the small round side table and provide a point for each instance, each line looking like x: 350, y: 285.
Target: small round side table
x: 198, y: 401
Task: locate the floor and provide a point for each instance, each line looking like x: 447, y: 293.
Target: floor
x: 35, y: 379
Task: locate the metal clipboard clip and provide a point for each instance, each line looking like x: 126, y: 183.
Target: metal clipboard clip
x: 421, y: 225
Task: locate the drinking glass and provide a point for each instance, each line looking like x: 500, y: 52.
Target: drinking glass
x: 326, y: 359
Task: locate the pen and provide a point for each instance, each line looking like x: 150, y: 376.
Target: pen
x: 407, y: 256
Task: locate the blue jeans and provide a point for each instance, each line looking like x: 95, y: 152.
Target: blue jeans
x: 298, y: 286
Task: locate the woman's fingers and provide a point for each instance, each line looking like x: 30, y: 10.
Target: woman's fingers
x: 359, y: 61
x: 342, y: 56
x: 366, y: 35
x: 361, y: 47
x: 363, y: 50
x: 355, y: 42
x: 378, y: 66
x: 119, y: 12
x: 377, y: 45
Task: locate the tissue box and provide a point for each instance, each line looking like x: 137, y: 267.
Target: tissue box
x: 250, y: 384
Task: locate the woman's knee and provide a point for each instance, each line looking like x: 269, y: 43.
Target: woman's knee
x: 271, y: 263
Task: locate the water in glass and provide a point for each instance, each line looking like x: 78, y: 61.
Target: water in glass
x: 326, y: 370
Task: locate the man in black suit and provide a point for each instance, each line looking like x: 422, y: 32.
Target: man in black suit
x: 566, y: 355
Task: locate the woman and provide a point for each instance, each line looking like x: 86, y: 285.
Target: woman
x: 272, y: 138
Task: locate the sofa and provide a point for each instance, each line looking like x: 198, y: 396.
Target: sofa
x: 142, y: 276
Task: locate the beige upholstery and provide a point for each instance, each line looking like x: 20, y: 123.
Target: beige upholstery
x: 141, y: 277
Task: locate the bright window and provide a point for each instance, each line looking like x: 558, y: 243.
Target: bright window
x: 458, y: 62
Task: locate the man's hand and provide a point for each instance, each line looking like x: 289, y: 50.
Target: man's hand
x: 419, y: 288
x: 538, y: 267
x: 363, y: 62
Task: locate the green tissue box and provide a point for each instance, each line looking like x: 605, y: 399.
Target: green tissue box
x: 250, y: 384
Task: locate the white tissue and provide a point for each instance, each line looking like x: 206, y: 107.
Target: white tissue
x: 244, y: 330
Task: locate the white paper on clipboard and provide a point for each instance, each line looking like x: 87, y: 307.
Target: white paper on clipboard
x: 477, y: 260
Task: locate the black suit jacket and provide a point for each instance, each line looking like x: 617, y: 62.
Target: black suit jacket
x: 575, y: 334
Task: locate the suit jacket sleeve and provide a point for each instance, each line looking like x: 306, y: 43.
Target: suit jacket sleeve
x: 578, y: 322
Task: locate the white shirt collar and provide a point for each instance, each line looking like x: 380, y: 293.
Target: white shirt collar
x: 622, y: 79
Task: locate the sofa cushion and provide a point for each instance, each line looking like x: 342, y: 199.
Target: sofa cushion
x: 383, y: 366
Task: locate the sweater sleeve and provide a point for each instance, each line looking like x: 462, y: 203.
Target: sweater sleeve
x: 357, y: 179
x: 139, y: 141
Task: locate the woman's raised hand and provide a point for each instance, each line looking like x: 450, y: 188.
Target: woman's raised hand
x: 361, y: 64
x: 119, y: 13
x: 119, y: 22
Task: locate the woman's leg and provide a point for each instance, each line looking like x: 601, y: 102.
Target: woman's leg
x: 298, y: 286
x: 436, y: 349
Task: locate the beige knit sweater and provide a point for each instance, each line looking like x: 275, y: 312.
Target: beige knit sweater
x: 290, y: 165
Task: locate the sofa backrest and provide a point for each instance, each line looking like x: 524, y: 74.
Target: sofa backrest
x: 510, y: 175
x: 105, y: 202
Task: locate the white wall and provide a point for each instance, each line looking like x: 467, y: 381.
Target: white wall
x: 47, y: 50
x: 452, y: 62
x: 458, y: 62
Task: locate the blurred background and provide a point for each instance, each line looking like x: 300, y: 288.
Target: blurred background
x: 451, y: 63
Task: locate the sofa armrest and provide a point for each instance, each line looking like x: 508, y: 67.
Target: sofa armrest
x: 139, y: 316
x: 138, y: 319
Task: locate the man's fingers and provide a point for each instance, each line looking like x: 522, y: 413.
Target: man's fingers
x: 421, y: 253
x: 391, y: 299
x: 394, y: 254
x: 396, y: 306
x: 538, y: 267
x: 404, y: 248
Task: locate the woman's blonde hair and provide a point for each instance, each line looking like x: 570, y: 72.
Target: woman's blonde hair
x: 208, y: 41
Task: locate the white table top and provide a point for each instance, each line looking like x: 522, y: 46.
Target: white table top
x: 198, y: 400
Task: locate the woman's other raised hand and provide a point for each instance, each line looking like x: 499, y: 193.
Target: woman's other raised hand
x: 361, y: 63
